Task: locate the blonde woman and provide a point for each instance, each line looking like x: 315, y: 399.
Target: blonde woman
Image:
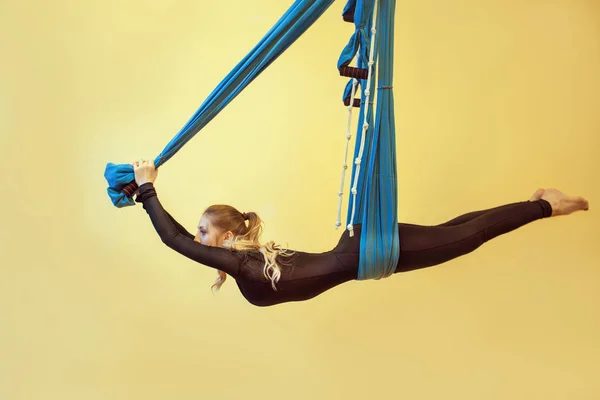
x: 267, y: 274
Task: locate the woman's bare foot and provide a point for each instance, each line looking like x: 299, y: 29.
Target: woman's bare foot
x: 563, y: 204
x: 537, y: 195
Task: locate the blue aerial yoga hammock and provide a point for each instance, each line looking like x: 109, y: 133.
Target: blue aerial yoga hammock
x: 374, y: 203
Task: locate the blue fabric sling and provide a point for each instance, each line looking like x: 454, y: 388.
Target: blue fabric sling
x: 377, y: 193
x: 377, y: 185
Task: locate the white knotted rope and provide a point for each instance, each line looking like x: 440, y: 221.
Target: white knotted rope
x: 365, y: 127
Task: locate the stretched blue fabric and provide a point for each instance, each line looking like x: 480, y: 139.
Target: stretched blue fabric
x: 296, y: 20
x: 376, y: 199
x: 381, y: 250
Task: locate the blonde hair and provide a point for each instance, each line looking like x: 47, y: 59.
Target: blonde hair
x: 246, y: 237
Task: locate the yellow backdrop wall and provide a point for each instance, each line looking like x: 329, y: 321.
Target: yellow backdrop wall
x: 493, y: 100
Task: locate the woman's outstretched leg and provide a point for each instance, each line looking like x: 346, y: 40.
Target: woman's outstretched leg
x: 472, y: 215
x: 426, y: 246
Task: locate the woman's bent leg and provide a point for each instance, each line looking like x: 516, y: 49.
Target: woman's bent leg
x: 426, y: 246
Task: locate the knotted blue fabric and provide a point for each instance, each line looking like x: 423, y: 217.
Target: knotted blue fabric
x: 376, y: 199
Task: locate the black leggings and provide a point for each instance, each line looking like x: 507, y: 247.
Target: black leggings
x: 426, y: 246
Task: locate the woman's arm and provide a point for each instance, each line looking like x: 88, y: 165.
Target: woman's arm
x: 172, y: 235
x: 179, y: 227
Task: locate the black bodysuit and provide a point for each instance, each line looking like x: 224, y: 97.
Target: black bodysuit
x: 307, y: 275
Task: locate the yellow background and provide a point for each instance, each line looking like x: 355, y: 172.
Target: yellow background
x: 493, y: 100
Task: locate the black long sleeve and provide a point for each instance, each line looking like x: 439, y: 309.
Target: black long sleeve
x: 179, y: 239
x: 308, y: 275
x: 179, y: 227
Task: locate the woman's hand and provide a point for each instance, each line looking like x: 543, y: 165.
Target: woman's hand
x: 144, y: 171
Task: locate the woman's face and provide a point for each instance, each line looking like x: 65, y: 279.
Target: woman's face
x: 208, y: 234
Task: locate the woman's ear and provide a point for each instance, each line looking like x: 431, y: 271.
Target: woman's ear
x: 227, y: 236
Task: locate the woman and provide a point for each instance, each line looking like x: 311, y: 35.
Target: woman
x: 267, y: 274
